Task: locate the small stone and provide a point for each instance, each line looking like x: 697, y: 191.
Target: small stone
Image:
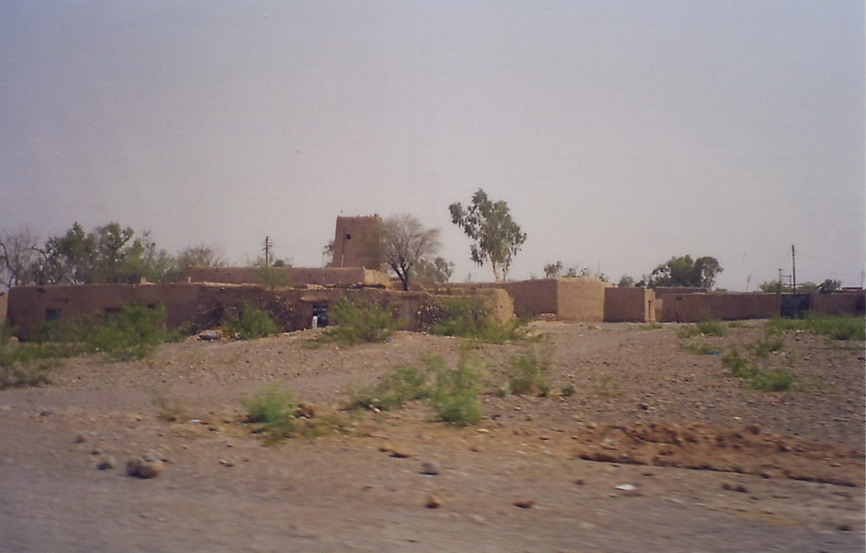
x: 107, y: 463
x: 430, y: 467
x: 433, y: 502
x: 524, y: 503
x: 579, y: 482
x: 141, y: 468
x: 226, y: 463
x: 400, y: 453
x: 844, y: 527
x: 80, y: 438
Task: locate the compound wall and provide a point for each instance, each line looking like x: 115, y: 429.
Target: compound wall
x: 629, y: 305
x: 693, y: 308
x: 288, y: 276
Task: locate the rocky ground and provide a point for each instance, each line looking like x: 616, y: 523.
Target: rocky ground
x: 656, y: 449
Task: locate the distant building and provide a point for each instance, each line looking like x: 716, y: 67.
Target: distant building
x: 358, y: 242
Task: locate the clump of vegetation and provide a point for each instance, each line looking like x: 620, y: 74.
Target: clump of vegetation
x: 609, y: 386
x: 469, y: 317
x: 392, y: 390
x: 528, y: 372
x: 361, y: 319
x: 273, y: 410
x: 451, y: 392
x: 700, y: 348
x: 703, y: 328
x: 567, y: 390
x: 250, y: 323
x: 131, y: 333
x: 772, y: 380
x: 649, y: 326
x: 769, y: 343
x: 168, y: 409
x: 25, y: 367
x: 454, y: 396
x: 838, y: 327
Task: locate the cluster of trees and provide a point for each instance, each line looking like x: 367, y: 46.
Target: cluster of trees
x: 776, y: 286
x: 106, y: 254
x: 557, y: 269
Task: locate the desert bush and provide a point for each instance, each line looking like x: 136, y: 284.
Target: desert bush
x: 21, y: 373
x: 469, y: 317
x: 454, y: 395
x: 700, y: 348
x: 250, y: 323
x: 703, y: 328
x: 361, y: 319
x: 392, y: 390
x: 609, y: 386
x: 769, y: 343
x: 528, y: 371
x: 130, y: 333
x: 567, y: 390
x: 772, y: 380
x: 840, y: 327
x: 649, y: 326
x: 273, y: 410
x: 739, y: 365
x: 168, y: 409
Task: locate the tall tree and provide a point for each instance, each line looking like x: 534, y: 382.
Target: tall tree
x: 20, y: 254
x: 437, y: 270
x: 496, y: 237
x: 686, y: 272
x: 405, y: 243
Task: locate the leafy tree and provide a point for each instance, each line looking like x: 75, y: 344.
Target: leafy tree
x: 438, y: 270
x: 19, y: 255
x: 685, y: 272
x: 626, y: 281
x: 497, y: 238
x: 405, y: 243
x: 553, y: 270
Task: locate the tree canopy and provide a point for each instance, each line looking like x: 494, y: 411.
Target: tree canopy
x: 684, y: 272
x: 107, y: 254
x: 406, y: 244
x: 496, y: 237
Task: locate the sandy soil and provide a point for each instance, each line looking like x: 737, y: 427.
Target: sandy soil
x: 657, y: 449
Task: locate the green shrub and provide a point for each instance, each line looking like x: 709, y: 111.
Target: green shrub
x: 528, y: 371
x: 168, y: 409
x: 273, y: 410
x: 250, y: 323
x: 773, y: 380
x: 454, y: 396
x: 649, y: 326
x: 392, y: 390
x: 739, y: 365
x: 769, y: 343
x: 25, y: 373
x: 567, y: 390
x: 841, y: 327
x: 361, y: 319
x: 130, y: 333
x: 469, y: 317
x: 700, y: 348
x: 609, y: 386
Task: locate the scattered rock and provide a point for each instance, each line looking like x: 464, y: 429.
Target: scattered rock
x: 844, y: 527
x: 142, y: 468
x: 524, y: 503
x: 210, y: 335
x: 735, y: 488
x: 433, y: 502
x: 226, y: 463
x: 400, y: 453
x: 306, y: 411
x: 430, y: 467
x: 107, y: 463
x: 80, y: 438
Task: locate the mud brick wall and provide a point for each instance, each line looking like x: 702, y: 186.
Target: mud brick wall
x: 629, y: 305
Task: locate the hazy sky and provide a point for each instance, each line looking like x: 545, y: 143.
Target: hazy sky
x: 621, y: 133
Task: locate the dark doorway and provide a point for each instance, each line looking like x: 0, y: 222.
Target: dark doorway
x: 795, y: 305
x: 320, y: 311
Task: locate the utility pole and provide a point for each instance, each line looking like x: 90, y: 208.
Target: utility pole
x: 793, y: 271
x: 267, y: 250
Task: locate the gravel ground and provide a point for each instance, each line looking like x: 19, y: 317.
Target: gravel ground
x: 656, y: 449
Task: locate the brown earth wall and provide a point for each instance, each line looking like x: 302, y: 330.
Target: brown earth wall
x: 4, y: 306
x: 692, y: 308
x: 202, y: 305
x: 845, y: 303
x: 580, y: 299
x: 288, y: 276
x: 629, y: 305
x: 533, y: 297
